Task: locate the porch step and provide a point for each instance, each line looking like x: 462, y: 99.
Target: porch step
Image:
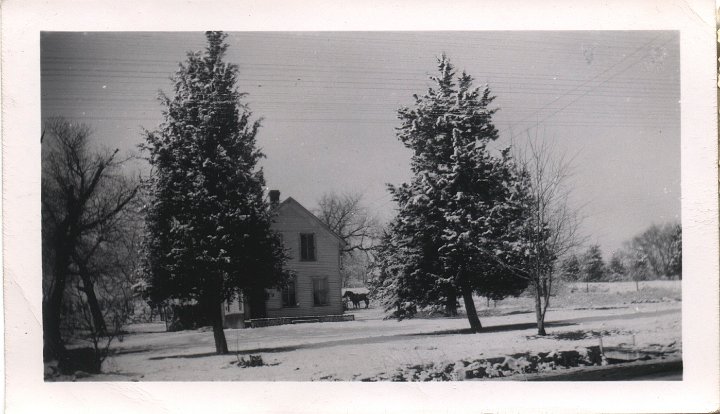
x: 262, y: 322
x: 310, y: 320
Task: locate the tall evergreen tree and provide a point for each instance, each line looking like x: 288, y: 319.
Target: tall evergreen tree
x: 208, y: 226
x: 458, y: 214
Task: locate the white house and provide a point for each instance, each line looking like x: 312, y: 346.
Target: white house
x: 314, y: 252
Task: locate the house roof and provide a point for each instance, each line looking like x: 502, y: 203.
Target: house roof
x: 312, y: 216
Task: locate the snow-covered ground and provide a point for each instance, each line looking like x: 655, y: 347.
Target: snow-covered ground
x: 370, y: 345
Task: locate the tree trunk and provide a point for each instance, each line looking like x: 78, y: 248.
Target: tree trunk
x: 217, y: 325
x: 63, y: 243
x: 539, y: 314
x: 93, y: 304
x: 637, y: 286
x: 451, y: 303
x: 472, y: 315
x: 53, y: 347
x: 547, y: 290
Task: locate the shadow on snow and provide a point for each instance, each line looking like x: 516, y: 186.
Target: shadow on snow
x: 366, y: 341
x: 400, y: 337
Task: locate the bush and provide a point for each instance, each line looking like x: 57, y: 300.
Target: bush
x: 251, y: 361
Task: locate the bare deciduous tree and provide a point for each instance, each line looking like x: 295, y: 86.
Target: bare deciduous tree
x: 553, y: 226
x: 103, y: 282
x: 84, y: 193
x: 350, y: 219
x: 660, y: 245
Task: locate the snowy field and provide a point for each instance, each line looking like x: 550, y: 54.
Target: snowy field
x: 371, y: 347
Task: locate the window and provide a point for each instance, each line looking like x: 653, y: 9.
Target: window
x: 288, y: 295
x: 235, y: 305
x: 307, y: 247
x: 320, y: 292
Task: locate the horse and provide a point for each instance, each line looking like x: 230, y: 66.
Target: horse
x: 356, y: 298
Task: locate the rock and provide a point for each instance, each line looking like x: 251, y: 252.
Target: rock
x: 509, y: 363
x: 522, y: 364
x: 459, y: 371
x: 475, y: 365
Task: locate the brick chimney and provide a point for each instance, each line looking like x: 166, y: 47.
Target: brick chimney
x: 274, y: 197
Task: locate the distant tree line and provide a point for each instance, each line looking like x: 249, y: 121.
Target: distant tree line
x: 656, y: 253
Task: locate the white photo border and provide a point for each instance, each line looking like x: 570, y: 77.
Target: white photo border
x: 27, y: 392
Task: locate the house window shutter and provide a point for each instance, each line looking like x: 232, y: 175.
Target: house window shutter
x: 311, y: 247
x: 288, y: 294
x: 320, y: 292
x: 307, y: 247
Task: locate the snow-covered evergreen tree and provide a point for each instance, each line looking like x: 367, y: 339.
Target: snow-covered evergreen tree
x: 593, y: 266
x: 458, y: 216
x: 616, y: 268
x: 208, y: 225
x: 570, y: 268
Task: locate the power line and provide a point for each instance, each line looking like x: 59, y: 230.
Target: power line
x: 597, y: 76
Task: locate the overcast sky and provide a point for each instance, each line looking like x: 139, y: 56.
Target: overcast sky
x: 328, y: 102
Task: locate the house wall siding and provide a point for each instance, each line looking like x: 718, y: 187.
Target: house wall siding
x: 291, y: 221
